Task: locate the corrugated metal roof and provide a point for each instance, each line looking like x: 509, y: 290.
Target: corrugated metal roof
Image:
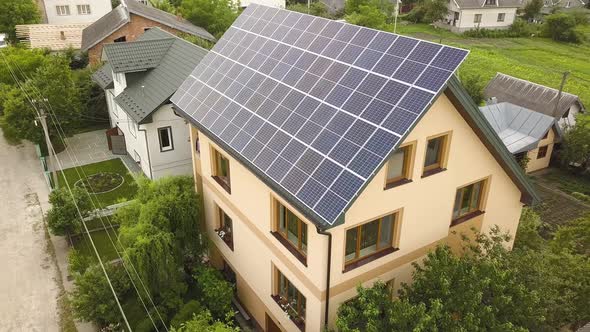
x: 467, y: 4
x: 136, y: 56
x: 535, y: 97
x: 147, y: 90
x: 104, y: 77
x: 519, y: 128
x: 120, y: 16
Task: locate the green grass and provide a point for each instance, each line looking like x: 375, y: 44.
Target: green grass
x: 125, y: 192
x: 539, y: 60
x: 102, y: 242
x: 568, y: 182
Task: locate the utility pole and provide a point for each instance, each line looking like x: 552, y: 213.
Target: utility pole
x: 396, y: 9
x: 43, y: 119
x: 563, y: 79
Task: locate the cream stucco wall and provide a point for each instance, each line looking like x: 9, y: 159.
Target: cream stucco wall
x: 426, y: 204
x: 537, y: 164
x: 489, y: 18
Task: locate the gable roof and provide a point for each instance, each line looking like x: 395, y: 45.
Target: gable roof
x: 533, y: 96
x: 151, y: 87
x: 519, y: 128
x: 121, y: 15
x: 281, y: 92
x: 103, y: 76
x: 475, y: 4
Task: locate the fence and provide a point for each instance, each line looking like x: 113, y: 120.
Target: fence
x: 44, y: 166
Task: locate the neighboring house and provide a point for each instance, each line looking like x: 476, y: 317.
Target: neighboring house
x: 485, y: 14
x: 271, y: 3
x: 3, y: 41
x: 53, y: 37
x: 313, y: 182
x: 524, y: 132
x: 550, y: 5
x: 58, y: 12
x: 535, y: 97
x: 129, y: 21
x: 139, y: 78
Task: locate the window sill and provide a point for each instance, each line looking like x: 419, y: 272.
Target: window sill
x: 298, y: 322
x: 466, y: 217
x: 222, y: 183
x: 397, y: 183
x: 301, y: 257
x: 368, y: 259
x: 432, y: 172
x: 228, y: 240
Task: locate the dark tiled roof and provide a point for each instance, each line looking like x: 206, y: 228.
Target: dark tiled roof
x: 466, y: 4
x: 533, y: 96
x: 104, y: 26
x: 104, y: 77
x: 136, y: 56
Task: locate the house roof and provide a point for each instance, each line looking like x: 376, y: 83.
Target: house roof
x: 533, y: 96
x: 474, y: 4
x: 151, y: 87
x: 104, y: 76
x: 121, y: 15
x: 519, y: 128
x: 317, y: 148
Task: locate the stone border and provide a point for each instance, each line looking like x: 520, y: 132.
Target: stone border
x: 106, y: 191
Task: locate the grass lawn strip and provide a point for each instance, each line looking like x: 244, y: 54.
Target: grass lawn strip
x: 103, y: 244
x: 125, y: 192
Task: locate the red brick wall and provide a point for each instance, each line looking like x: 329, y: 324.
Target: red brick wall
x: 131, y: 31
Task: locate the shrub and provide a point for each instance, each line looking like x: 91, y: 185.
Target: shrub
x: 581, y: 196
x: 474, y: 84
x: 562, y: 27
x: 186, y: 313
x: 78, y: 262
x: 63, y: 218
x: 216, y: 293
x: 315, y: 8
x: 416, y: 15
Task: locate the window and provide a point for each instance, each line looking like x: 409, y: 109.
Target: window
x: 566, y: 114
x: 225, y: 230
x: 165, y: 136
x: 467, y: 201
x: 290, y: 300
x: 490, y: 2
x: 120, y: 40
x: 221, y: 170
x: 435, y: 154
x: 501, y: 17
x: 62, y: 10
x: 131, y: 126
x: 567, y: 4
x: 542, y: 153
x: 477, y: 18
x: 291, y: 231
x: 399, y: 166
x: 197, y: 143
x: 369, y: 239
x: 84, y: 10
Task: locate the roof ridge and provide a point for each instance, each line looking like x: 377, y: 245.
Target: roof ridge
x: 534, y: 83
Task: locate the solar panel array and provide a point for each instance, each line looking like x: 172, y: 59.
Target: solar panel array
x: 316, y: 105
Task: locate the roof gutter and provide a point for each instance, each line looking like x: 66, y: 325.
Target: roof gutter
x: 327, y: 309
x: 147, y: 148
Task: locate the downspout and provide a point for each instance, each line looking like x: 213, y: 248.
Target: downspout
x: 323, y: 232
x: 147, y: 147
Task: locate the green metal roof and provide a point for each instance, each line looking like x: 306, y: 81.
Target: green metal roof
x: 104, y: 77
x: 152, y: 87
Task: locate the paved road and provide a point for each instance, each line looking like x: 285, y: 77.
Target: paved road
x: 28, y: 290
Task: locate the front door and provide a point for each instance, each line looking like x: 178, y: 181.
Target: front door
x: 271, y: 326
x: 118, y: 144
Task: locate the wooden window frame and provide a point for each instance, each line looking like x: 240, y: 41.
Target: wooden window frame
x: 297, y: 251
x: 299, y: 321
x: 542, y: 152
x: 380, y: 252
x: 442, y: 157
x: 407, y: 168
x: 222, y: 227
x: 215, y: 162
x: 168, y: 129
x: 480, y: 206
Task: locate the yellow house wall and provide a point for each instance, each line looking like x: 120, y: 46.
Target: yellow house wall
x: 426, y: 205
x: 537, y: 164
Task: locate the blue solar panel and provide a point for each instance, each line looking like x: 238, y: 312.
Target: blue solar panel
x: 315, y: 105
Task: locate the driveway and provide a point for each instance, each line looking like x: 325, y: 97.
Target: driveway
x: 85, y: 148
x: 28, y: 290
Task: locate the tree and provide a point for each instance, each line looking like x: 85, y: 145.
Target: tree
x: 63, y: 217
x: 315, y: 8
x: 214, y: 291
x: 574, y: 237
x: 474, y: 84
x: 561, y: 27
x: 23, y: 63
x: 429, y: 11
x: 15, y: 12
x: 93, y: 109
x: 576, y: 143
x: 203, y: 322
x: 370, y: 17
x: 215, y: 16
x: 532, y: 9
x: 164, y: 5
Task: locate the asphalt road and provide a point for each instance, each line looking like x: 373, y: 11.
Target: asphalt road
x: 28, y: 290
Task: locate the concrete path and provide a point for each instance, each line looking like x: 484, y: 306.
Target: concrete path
x: 28, y: 287
x: 88, y: 148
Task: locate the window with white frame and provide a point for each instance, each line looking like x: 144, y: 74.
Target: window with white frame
x: 165, y: 137
x: 131, y: 126
x: 84, y: 10
x: 501, y: 17
x: 62, y: 10
x: 477, y: 18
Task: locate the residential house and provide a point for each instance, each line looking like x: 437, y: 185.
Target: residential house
x: 535, y: 97
x: 59, y: 12
x: 129, y: 21
x: 527, y: 134
x: 271, y: 3
x: 550, y: 5
x: 485, y: 14
x: 330, y: 155
x: 138, y: 78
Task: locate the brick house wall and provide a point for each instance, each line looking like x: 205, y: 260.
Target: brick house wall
x: 131, y: 31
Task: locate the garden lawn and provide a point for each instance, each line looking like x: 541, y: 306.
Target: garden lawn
x: 125, y: 192
x: 102, y: 242
x: 539, y: 60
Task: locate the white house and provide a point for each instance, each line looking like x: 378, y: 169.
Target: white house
x: 74, y: 11
x: 271, y: 3
x: 138, y: 78
x: 473, y: 14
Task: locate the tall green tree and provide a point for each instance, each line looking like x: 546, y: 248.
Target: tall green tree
x: 576, y: 143
x: 370, y: 17
x: 562, y: 27
x: 204, y: 322
x: 15, y: 12
x: 63, y: 218
x: 216, y: 16
x: 532, y: 9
